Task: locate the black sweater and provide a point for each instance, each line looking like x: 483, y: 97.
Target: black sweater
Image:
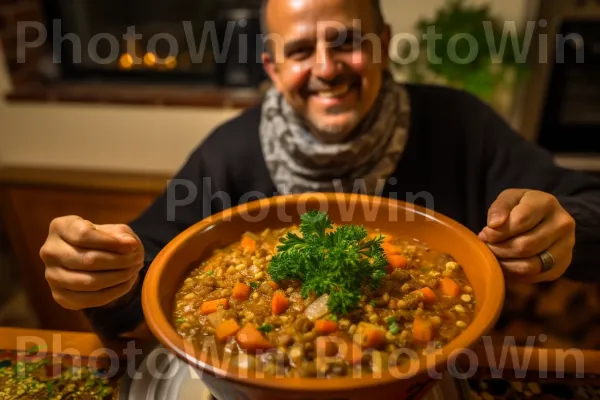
x: 459, y: 150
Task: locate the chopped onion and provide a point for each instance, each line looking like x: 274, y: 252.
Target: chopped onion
x: 251, y: 236
x: 318, y: 308
x: 216, y: 318
x: 254, y: 269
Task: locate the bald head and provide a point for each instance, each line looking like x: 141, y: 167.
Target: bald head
x: 379, y: 22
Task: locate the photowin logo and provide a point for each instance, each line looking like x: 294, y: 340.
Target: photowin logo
x: 461, y: 48
x: 503, y: 359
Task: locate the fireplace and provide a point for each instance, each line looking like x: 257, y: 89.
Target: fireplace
x: 175, y: 41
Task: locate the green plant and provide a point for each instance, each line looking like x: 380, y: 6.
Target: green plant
x: 464, y: 56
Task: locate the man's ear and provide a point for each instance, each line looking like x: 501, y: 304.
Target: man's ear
x: 270, y: 67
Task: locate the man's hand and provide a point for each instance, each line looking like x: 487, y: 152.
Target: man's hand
x: 524, y: 223
x: 90, y: 265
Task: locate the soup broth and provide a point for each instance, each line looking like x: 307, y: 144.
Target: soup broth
x: 423, y: 302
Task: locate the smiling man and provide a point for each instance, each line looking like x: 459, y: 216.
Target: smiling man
x: 336, y: 120
x: 325, y: 69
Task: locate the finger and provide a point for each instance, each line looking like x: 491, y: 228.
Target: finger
x: 123, y: 232
x: 529, y: 270
x: 74, y: 300
x: 523, y: 267
x: 118, y: 230
x: 529, y: 244
x: 84, y: 234
x: 531, y: 210
x: 500, y: 209
x: 64, y: 278
x: 79, y: 259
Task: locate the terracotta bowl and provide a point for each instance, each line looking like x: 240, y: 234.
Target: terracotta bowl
x: 184, y: 253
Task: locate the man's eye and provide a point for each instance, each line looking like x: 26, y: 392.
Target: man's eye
x: 350, y: 44
x: 299, y: 54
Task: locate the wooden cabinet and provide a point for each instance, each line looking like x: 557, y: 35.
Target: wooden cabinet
x: 31, y: 199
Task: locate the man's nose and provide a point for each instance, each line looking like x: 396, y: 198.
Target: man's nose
x: 326, y: 67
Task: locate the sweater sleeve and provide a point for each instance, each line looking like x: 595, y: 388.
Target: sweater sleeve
x: 185, y: 200
x: 512, y: 162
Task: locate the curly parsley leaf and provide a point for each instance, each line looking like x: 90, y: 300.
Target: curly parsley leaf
x: 293, y: 242
x: 265, y: 328
x: 314, y: 224
x: 287, y: 264
x: 337, y: 262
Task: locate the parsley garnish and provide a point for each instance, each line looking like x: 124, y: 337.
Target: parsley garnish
x: 254, y: 285
x: 265, y: 328
x: 210, y: 273
x: 337, y: 263
x: 392, y: 322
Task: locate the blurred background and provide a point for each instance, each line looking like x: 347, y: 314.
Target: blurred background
x: 99, y: 133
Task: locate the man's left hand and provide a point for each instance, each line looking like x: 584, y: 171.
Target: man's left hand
x: 521, y: 225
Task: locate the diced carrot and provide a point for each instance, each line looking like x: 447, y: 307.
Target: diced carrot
x: 211, y: 306
x: 390, y: 249
x: 371, y: 336
x: 248, y: 244
x: 429, y: 295
x: 241, y: 291
x: 226, y: 329
x: 422, y: 330
x: 397, y: 261
x: 250, y: 338
x: 448, y: 287
x: 273, y: 284
x: 375, y: 235
x: 280, y: 303
x: 326, y: 326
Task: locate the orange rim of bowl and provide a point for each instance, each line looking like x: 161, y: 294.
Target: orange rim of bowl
x: 163, y: 330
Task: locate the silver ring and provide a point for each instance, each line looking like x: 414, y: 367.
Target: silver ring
x: 547, y: 261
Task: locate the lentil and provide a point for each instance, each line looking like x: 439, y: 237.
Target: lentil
x: 392, y: 308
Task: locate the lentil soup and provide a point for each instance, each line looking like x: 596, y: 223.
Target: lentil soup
x: 409, y: 297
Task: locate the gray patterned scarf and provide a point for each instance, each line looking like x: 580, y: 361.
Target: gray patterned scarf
x: 298, y: 163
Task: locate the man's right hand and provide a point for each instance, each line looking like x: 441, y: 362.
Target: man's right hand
x: 90, y: 265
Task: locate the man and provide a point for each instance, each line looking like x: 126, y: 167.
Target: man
x: 334, y: 118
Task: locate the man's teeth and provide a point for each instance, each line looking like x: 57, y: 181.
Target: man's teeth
x: 335, y: 92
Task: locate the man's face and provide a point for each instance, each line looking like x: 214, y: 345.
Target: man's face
x: 319, y: 62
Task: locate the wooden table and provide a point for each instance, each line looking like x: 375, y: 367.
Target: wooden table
x: 89, y: 345
x: 85, y: 344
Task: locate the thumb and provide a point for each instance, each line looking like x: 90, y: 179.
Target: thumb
x: 499, y: 211
x: 123, y: 233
